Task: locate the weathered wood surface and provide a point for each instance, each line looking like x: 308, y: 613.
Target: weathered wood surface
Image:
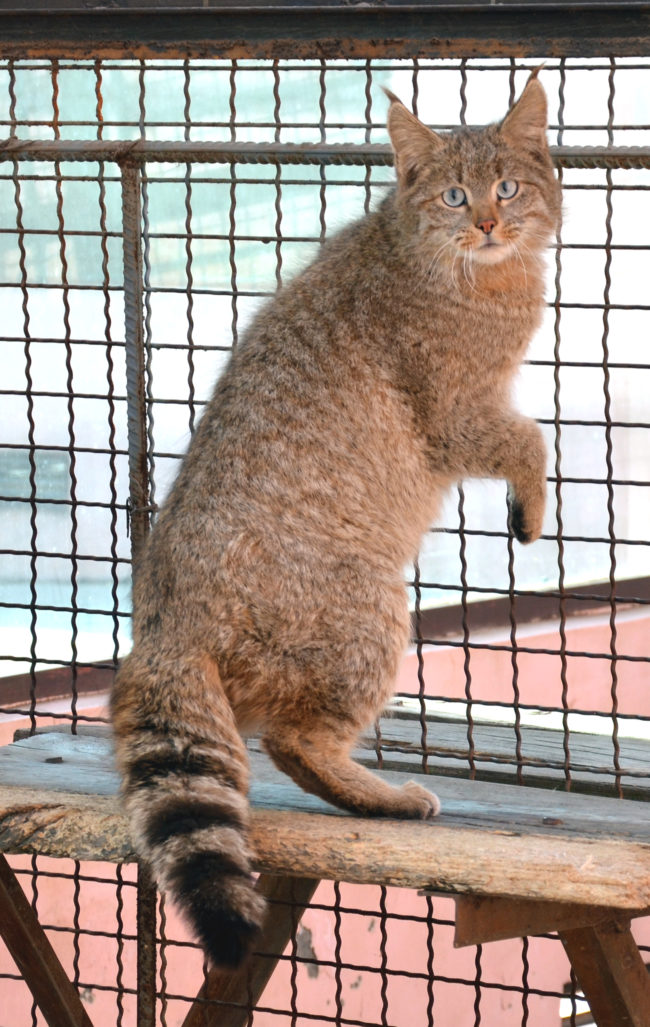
x: 490, y: 840
x: 612, y: 974
x: 34, y: 956
x: 481, y: 920
x: 599, y: 944
x: 494, y: 745
x: 542, y: 754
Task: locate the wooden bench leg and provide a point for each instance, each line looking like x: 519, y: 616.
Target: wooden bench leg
x: 598, y: 942
x: 611, y: 972
x: 237, y: 991
x: 37, y: 961
x: 146, y: 910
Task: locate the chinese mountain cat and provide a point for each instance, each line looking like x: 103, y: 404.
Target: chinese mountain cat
x: 269, y: 595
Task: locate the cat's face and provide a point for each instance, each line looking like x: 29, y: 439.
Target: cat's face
x: 480, y: 196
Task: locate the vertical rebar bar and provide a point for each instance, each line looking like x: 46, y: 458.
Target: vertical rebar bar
x: 138, y: 502
x: 564, y: 681
x: 139, y: 511
x: 29, y: 396
x: 232, y: 211
x: 611, y: 526
x: 419, y: 650
x: 512, y: 611
x: 462, y: 538
x: 70, y: 389
x: 278, y: 175
x: 189, y: 252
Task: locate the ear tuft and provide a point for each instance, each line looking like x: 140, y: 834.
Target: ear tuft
x: 413, y: 143
x: 525, y: 122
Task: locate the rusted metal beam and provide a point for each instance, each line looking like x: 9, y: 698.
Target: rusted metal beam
x: 132, y: 154
x: 136, y: 401
x: 37, y: 961
x: 325, y: 30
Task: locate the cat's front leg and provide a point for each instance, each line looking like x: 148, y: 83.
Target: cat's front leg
x: 527, y: 482
x: 510, y: 446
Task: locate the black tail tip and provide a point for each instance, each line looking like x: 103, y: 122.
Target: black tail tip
x: 222, y: 907
x: 226, y: 941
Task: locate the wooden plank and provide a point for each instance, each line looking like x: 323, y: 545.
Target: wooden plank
x: 35, y: 958
x: 542, y: 751
x: 84, y: 765
x: 483, y: 920
x: 61, y: 761
x: 490, y: 840
x: 611, y: 973
x: 447, y: 740
x: 237, y: 992
x: 501, y: 859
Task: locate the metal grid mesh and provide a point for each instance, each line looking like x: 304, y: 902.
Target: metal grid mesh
x: 498, y: 647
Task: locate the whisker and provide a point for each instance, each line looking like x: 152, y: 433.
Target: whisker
x: 521, y: 261
x: 468, y: 262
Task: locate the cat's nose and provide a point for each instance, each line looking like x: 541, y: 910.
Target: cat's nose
x: 486, y: 225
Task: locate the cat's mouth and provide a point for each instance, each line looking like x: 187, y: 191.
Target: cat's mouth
x: 491, y: 251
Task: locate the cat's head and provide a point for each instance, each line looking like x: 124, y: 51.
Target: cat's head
x: 482, y: 195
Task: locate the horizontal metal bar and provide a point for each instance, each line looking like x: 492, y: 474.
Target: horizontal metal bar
x: 310, y: 6
x: 141, y: 151
x: 324, y: 29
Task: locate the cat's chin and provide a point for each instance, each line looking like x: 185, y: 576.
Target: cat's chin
x: 491, y: 253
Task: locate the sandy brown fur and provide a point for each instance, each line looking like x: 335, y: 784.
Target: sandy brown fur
x: 270, y: 594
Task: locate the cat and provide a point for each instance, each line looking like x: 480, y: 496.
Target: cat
x: 269, y: 595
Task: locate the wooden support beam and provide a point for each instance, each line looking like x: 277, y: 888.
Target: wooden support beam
x: 479, y: 920
x: 598, y: 942
x: 37, y: 961
x: 608, y: 965
x: 237, y: 992
x: 146, y: 948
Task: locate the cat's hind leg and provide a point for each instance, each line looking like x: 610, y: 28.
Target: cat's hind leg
x: 319, y: 760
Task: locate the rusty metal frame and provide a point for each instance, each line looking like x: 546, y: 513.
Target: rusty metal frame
x: 141, y: 151
x: 323, y: 28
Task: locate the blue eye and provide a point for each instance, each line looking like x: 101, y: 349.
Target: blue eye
x: 507, y: 189
x: 454, y: 197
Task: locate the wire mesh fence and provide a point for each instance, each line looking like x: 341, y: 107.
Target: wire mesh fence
x: 147, y: 210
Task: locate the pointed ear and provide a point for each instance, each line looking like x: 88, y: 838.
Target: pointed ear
x: 525, y: 123
x: 413, y: 143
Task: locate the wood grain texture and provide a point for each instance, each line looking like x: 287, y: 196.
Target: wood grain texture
x: 401, y: 751
x: 479, y: 920
x: 490, y: 840
x: 542, y: 754
x: 612, y: 974
x: 34, y: 956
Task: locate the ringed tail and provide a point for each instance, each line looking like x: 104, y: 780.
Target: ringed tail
x: 184, y: 783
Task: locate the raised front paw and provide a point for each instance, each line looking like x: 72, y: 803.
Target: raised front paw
x: 525, y: 521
